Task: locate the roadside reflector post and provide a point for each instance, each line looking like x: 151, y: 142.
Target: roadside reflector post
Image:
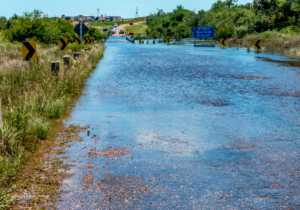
x: 66, y: 60
x: 147, y: 41
x: 55, y: 68
x: 142, y: 42
x: 153, y: 41
x: 76, y: 55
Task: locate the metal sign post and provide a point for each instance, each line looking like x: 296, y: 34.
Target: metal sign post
x: 80, y: 32
x: 81, y: 29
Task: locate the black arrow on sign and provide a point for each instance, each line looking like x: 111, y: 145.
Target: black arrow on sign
x: 257, y: 44
x: 223, y: 42
x: 77, y: 40
x: 64, y: 44
x: 31, y: 51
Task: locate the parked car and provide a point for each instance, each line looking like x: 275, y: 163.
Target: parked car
x: 121, y: 32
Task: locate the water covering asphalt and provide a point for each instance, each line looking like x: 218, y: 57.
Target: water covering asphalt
x: 183, y: 127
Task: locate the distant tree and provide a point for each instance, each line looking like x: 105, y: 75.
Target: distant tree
x: 230, y: 3
x: 3, y: 21
x: 14, y: 17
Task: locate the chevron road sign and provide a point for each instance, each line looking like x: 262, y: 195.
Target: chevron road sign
x: 29, y: 51
x: 223, y: 42
x: 87, y: 40
x: 257, y: 44
x: 77, y: 41
x: 63, y: 44
x: 168, y: 39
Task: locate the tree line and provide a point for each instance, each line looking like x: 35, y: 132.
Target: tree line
x: 228, y: 18
x: 32, y: 26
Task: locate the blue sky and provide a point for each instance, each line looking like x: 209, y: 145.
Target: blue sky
x: 124, y: 8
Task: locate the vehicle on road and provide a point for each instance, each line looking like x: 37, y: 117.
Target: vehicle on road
x: 121, y: 32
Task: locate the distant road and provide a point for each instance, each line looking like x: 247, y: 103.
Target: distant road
x: 122, y: 27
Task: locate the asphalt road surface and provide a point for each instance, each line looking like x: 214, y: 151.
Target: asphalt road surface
x: 122, y: 27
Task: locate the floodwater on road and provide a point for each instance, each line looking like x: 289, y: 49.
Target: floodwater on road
x: 183, y: 127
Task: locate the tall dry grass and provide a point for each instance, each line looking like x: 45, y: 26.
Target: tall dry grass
x: 32, y: 99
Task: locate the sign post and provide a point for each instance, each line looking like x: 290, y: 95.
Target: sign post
x: 203, y: 32
x: 80, y: 32
x: 81, y: 29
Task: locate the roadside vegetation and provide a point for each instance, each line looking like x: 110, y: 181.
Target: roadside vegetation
x: 33, y: 101
x: 110, y: 23
x: 32, y: 26
x: 264, y: 19
x: 137, y: 29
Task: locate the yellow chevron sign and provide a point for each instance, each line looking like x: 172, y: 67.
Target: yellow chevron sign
x: 88, y: 40
x: 168, y: 39
x: 77, y: 41
x: 29, y: 51
x: 223, y: 42
x: 257, y: 44
x: 63, y: 44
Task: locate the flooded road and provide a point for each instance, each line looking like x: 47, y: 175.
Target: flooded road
x: 183, y: 127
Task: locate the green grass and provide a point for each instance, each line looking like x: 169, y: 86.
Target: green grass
x: 137, y: 29
x: 32, y: 101
x: 110, y: 23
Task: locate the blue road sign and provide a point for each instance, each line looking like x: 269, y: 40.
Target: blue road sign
x: 204, y: 32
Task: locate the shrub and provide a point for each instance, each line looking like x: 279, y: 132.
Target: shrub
x: 39, y: 128
x: 225, y: 32
x: 76, y: 47
x: 241, y: 31
x: 266, y: 34
x: 56, y: 109
x: 290, y: 30
x: 9, y: 139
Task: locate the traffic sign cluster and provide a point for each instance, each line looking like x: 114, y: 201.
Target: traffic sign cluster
x: 29, y: 52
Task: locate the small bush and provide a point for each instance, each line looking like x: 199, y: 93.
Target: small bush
x: 76, y: 47
x: 56, y: 109
x: 225, y: 32
x: 266, y: 34
x: 39, y: 128
x: 241, y: 31
x: 290, y: 30
x: 9, y: 139
x: 6, y: 199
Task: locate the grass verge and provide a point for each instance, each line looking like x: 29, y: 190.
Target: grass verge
x: 33, y: 104
x: 137, y: 29
x: 110, y: 23
x: 283, y: 43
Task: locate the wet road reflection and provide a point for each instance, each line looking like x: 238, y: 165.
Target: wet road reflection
x: 179, y: 127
